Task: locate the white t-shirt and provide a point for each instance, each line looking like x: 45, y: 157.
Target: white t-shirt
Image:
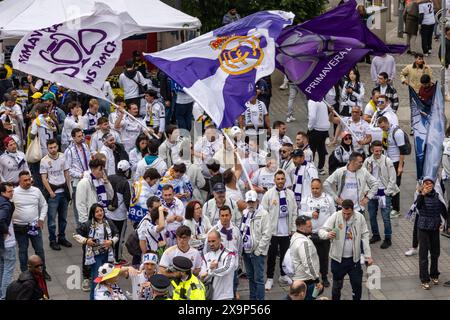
x: 174, y: 251
x: 360, y: 129
x: 137, y: 291
x: 147, y: 231
x: 263, y: 178
x: 44, y: 135
x: 348, y: 241
x: 427, y: 9
x: 393, y: 151
x: 10, y: 241
x: 254, y: 114
x: 350, y: 190
x: 129, y: 132
x: 54, y: 168
x: 236, y: 195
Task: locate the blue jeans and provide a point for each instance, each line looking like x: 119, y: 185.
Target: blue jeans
x: 22, y: 238
x: 386, y: 215
x: 7, y: 265
x: 74, y: 206
x: 35, y: 173
x: 183, y: 115
x: 57, y: 207
x: 99, y: 261
x: 254, y: 265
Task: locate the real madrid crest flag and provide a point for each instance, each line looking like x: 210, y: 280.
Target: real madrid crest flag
x: 219, y: 69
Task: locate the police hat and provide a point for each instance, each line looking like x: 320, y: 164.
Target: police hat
x: 298, y: 153
x: 160, y: 282
x: 182, y: 263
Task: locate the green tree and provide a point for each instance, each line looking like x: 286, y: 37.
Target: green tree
x: 210, y: 12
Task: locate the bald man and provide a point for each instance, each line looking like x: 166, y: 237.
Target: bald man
x: 297, y: 290
x: 31, y: 283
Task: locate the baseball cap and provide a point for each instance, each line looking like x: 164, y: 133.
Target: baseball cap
x: 251, y: 195
x: 345, y: 133
x: 36, y: 95
x: 123, y: 165
x: 150, y: 258
x: 49, y: 96
x: 219, y: 187
x: 428, y: 178
x: 298, y: 153
x: 234, y: 131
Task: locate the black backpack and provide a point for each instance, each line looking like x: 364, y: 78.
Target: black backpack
x: 407, y: 147
x: 132, y: 243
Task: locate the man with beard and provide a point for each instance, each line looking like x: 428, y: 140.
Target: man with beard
x: 302, y: 142
x: 278, y: 138
x: 114, y: 152
x: 286, y: 162
x: 12, y: 162
x: 129, y: 128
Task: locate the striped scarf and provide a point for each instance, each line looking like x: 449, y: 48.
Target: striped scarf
x: 299, y: 172
x: 283, y: 203
x: 101, y: 192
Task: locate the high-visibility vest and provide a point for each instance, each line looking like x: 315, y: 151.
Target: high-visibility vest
x: 191, y: 289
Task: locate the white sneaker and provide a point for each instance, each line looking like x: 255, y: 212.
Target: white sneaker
x: 288, y: 119
x: 269, y: 284
x: 411, y: 252
x: 285, y: 280
x: 284, y: 86
x: 86, y: 285
x: 292, y: 118
x: 395, y: 214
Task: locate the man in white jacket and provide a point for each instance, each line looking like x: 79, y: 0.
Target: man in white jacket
x: 93, y: 188
x: 218, y: 267
x: 301, y: 176
x: 256, y: 233
x: 382, y: 168
x: 280, y: 203
x: 305, y: 260
x: 319, y: 206
x: 348, y: 231
x: 352, y: 182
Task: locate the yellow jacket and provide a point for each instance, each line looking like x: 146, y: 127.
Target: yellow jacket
x: 413, y: 75
x: 191, y: 289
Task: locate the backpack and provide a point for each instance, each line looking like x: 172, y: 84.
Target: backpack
x: 132, y: 243
x: 288, y: 265
x: 407, y: 147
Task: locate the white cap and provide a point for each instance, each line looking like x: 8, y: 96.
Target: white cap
x: 150, y: 258
x: 123, y: 165
x: 235, y: 131
x: 251, y: 195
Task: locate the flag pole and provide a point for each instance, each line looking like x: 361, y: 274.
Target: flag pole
x: 342, y: 121
x: 239, y: 158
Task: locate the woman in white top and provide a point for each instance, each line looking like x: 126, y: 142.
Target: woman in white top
x: 352, y: 93
x: 138, y: 153
x: 235, y: 187
x: 198, y: 224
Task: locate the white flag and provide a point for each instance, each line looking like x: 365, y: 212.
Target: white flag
x: 79, y: 54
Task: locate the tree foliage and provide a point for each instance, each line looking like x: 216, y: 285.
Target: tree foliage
x: 210, y: 12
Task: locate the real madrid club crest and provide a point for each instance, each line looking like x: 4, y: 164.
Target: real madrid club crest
x: 239, y: 54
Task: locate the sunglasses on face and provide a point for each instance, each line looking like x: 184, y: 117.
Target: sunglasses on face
x: 381, y: 102
x: 347, y: 138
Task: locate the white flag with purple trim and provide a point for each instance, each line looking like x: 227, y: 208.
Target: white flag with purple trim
x: 219, y: 69
x: 79, y: 54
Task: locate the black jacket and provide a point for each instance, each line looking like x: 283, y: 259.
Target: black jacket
x: 25, y: 288
x: 6, y: 211
x: 120, y: 154
x: 430, y: 209
x: 83, y: 229
x: 120, y: 185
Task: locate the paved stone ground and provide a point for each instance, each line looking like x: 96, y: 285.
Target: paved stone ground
x: 399, y: 273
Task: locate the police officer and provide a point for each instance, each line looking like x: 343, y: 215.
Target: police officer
x: 186, y: 286
x: 160, y: 287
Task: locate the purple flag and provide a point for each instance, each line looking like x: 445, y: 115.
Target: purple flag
x: 316, y: 54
